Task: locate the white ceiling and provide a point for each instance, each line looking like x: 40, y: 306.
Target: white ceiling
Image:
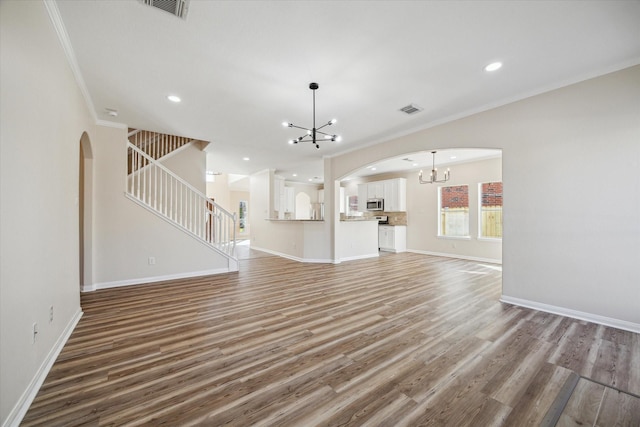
x: 244, y: 67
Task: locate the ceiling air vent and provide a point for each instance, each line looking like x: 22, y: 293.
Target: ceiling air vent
x: 411, y: 109
x: 178, y: 8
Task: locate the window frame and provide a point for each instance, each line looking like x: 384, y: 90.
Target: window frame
x: 480, y: 236
x: 439, y: 214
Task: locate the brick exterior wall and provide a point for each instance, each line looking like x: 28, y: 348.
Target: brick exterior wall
x: 455, y: 197
x: 492, y: 194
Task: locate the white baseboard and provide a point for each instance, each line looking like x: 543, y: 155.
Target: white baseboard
x: 154, y: 279
x: 469, y: 258
x: 20, y: 409
x: 293, y: 258
x: 353, y: 258
x: 575, y: 314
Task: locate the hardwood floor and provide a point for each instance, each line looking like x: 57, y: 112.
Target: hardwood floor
x: 596, y: 405
x: 402, y: 340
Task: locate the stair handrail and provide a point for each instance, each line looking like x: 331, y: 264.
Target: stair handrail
x: 164, y: 168
x: 157, y: 144
x: 217, y: 211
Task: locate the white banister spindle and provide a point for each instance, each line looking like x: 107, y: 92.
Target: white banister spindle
x: 136, y: 174
x: 172, y: 198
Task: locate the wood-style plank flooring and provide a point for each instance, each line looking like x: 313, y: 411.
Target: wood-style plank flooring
x: 401, y: 340
x: 593, y: 404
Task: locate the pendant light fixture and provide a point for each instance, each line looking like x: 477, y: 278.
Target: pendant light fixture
x: 314, y: 133
x: 434, y: 173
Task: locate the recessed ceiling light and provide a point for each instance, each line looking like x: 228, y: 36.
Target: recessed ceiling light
x: 373, y: 169
x: 493, y: 66
x: 310, y: 179
x: 246, y: 159
x: 295, y: 174
x: 453, y: 157
x: 414, y: 164
x: 174, y: 98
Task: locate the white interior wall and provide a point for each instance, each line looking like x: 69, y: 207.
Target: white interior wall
x: 422, y: 218
x: 311, y: 190
x: 218, y: 190
x: 571, y: 189
x: 43, y: 116
x: 260, y: 207
x: 126, y: 235
x: 189, y: 164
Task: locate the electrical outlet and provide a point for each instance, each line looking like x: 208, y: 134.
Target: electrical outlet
x: 152, y: 260
x: 35, y: 332
x: 51, y: 314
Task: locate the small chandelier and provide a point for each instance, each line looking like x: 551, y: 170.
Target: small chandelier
x: 314, y: 133
x: 434, y: 173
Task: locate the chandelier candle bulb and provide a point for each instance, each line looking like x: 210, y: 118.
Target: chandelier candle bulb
x: 433, y: 177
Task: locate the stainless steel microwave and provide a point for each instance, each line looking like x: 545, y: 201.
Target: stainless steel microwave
x: 375, y: 204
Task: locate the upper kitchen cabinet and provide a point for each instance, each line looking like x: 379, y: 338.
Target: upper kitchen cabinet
x: 393, y: 191
x: 284, y: 200
x: 395, y: 195
x: 375, y: 190
x: 278, y: 197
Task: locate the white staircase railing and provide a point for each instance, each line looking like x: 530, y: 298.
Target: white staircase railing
x: 154, y: 186
x: 156, y: 144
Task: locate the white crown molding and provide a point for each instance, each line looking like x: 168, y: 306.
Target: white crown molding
x: 493, y: 105
x: 20, y: 409
x: 63, y: 37
x: 107, y: 123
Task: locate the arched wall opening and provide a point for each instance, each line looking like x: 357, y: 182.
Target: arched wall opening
x: 471, y: 168
x: 85, y: 214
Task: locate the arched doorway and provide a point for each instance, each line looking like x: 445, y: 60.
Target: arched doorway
x: 85, y: 213
x: 476, y: 171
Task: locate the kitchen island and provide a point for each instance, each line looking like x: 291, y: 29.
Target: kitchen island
x: 357, y: 239
x: 301, y: 240
x: 304, y: 240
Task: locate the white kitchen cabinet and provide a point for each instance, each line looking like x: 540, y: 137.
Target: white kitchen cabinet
x: 289, y: 202
x: 395, y: 195
x: 375, y: 190
x: 392, y: 238
x: 393, y: 191
x: 278, y: 196
x: 284, y: 198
